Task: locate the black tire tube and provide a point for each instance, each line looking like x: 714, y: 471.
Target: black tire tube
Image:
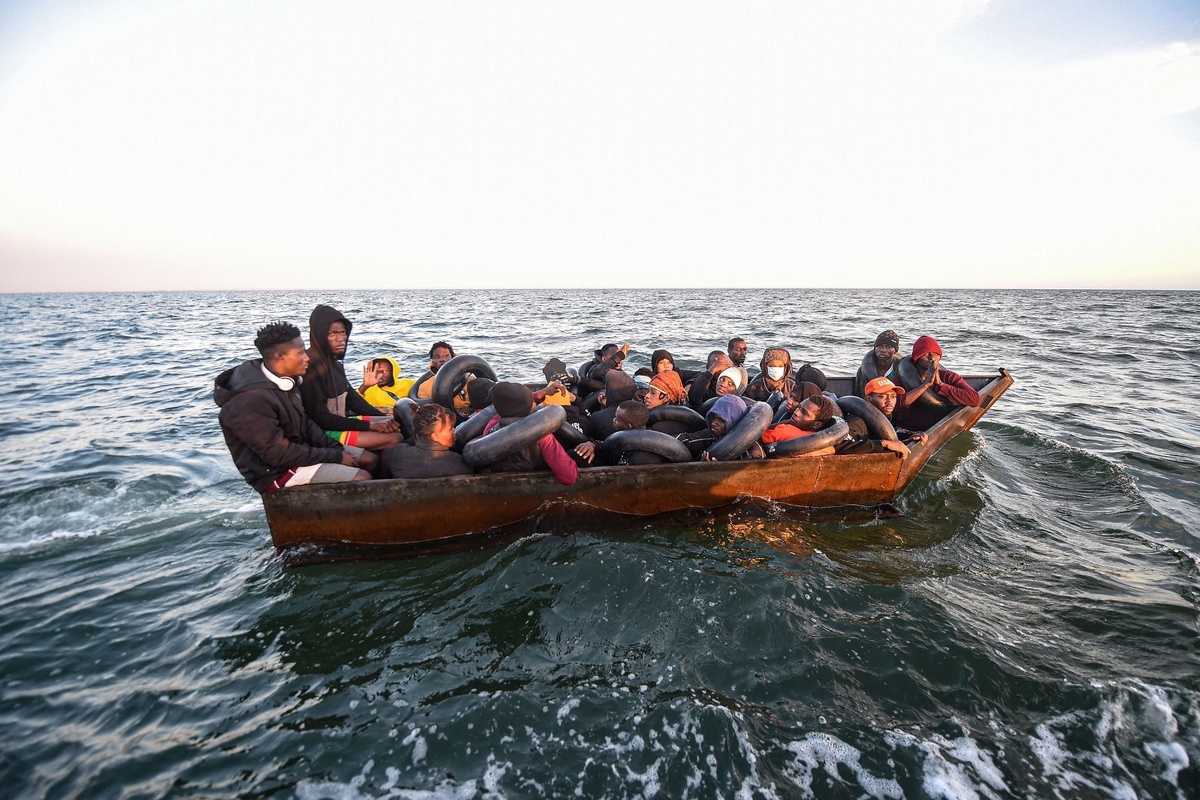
x: 450, y: 379
x: 472, y: 427
x: 412, y: 390
x: 879, y: 425
x: 748, y: 430
x: 403, y: 412
x: 522, y: 433
x: 686, y: 415
x: 807, y: 444
x: 591, y: 403
x: 707, y: 405
x: 911, y: 379
x: 775, y: 400
x: 781, y: 414
x: 645, y: 441
x: 569, y: 436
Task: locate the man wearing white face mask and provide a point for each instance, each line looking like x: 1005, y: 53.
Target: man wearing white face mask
x: 775, y: 375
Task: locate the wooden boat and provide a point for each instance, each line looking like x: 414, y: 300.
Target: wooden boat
x: 399, y: 517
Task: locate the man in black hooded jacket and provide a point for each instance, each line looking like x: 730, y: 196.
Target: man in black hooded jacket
x: 271, y: 439
x: 328, y: 397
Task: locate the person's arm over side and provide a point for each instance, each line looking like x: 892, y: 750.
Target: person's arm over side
x: 562, y: 465
x: 258, y: 427
x: 957, y: 390
x: 314, y: 405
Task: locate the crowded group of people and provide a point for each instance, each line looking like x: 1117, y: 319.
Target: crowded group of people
x: 292, y: 416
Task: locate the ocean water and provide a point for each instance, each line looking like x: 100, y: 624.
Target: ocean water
x: 1025, y: 626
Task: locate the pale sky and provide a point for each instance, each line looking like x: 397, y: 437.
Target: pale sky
x: 165, y: 144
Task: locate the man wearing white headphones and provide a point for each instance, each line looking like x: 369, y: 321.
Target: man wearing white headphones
x: 272, y: 441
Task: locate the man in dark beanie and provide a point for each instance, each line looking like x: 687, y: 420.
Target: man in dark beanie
x: 513, y: 401
x: 880, y: 362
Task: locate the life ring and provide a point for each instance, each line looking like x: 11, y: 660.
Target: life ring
x: 570, y: 437
x: 781, y: 414
x: 452, y: 376
x: 748, y: 430
x: 814, y: 441
x: 645, y: 441
x: 869, y: 369
x: 403, y: 412
x: 775, y: 400
x: 688, y: 416
x: 910, y: 379
x: 412, y: 390
x: 707, y: 405
x: 879, y: 425
x: 472, y: 427
x: 504, y: 441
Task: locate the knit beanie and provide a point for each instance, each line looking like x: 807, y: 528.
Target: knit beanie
x: 923, y: 345
x: 734, y: 374
x: 512, y: 399
x: 478, y: 392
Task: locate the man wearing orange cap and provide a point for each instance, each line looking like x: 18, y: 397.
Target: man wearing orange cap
x: 884, y: 395
x: 933, y: 379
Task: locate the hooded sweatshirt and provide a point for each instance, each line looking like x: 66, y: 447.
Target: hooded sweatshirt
x: 326, y: 393
x: 730, y: 408
x: 762, y: 386
x: 386, y: 396
x: 265, y: 427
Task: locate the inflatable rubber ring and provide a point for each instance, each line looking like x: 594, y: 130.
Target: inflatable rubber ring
x: 879, y: 425
x: 451, y: 378
x: 472, y: 427
x: 644, y: 441
x: 814, y: 441
x: 591, y: 403
x: 688, y: 416
x: 910, y: 379
x: 412, y: 390
x: 505, y: 441
x: 748, y: 430
x: 403, y: 412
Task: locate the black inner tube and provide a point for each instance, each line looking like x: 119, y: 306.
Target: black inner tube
x: 814, y: 441
x: 688, y: 416
x: 511, y: 438
x: 472, y: 427
x: 452, y: 376
x: 879, y: 425
x: 403, y: 412
x: 645, y: 441
x: 412, y: 390
x: 910, y: 379
x: 748, y: 430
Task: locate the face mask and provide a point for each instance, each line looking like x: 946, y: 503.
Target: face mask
x: 774, y: 373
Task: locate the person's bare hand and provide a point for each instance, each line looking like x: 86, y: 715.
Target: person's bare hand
x: 706, y: 457
x: 898, y: 447
x: 386, y: 426
x: 721, y: 363
x: 370, y: 376
x: 625, y: 348
x: 586, y: 451
x: 919, y: 437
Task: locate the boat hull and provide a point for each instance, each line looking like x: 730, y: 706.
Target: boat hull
x: 414, y: 514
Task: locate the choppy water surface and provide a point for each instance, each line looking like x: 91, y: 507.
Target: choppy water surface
x: 1026, y: 627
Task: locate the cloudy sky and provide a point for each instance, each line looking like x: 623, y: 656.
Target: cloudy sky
x: 228, y: 144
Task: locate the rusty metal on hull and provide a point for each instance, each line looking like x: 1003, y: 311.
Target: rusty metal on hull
x: 421, y: 512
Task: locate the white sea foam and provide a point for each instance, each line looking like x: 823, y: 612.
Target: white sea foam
x: 827, y: 752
